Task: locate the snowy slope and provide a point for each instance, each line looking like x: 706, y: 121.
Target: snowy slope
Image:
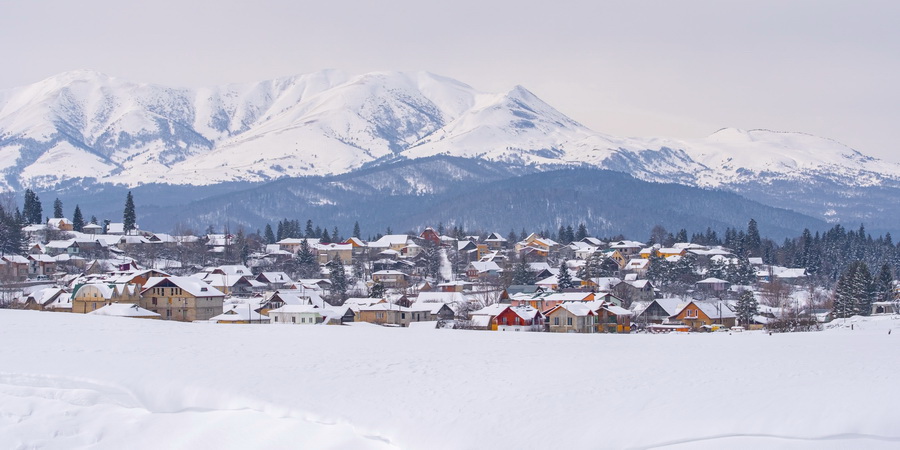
x: 81, y: 381
x: 85, y: 124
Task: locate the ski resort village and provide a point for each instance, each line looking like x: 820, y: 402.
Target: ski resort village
x: 563, y: 281
x: 295, y: 336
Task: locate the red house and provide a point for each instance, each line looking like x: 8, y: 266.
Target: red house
x: 521, y: 318
x: 430, y: 235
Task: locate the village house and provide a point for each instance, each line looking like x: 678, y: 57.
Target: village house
x: 304, y: 315
x: 481, y: 271
x: 634, y: 291
x: 60, y: 223
x: 390, y: 314
x: 327, y: 252
x: 627, y: 249
x: 571, y: 318
x: 92, y: 296
x: 433, y: 311
x: 390, y: 278
x: 184, y: 299
x: 520, y: 318
x: 275, y: 280
x: 661, y: 309
x: 496, y: 242
x: 536, y: 245
x: 239, y: 313
x: 15, y: 267
x: 613, y: 319
x: 697, y: 314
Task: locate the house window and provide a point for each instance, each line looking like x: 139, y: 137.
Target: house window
x: 379, y: 315
x: 569, y: 321
x: 691, y: 313
x: 556, y: 321
x: 276, y: 318
x: 154, y: 301
x: 293, y: 320
x: 402, y: 315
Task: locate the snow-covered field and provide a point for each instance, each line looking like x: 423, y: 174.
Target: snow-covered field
x: 74, y: 381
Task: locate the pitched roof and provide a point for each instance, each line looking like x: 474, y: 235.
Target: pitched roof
x: 193, y: 286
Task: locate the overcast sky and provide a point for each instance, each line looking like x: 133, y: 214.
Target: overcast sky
x: 679, y: 69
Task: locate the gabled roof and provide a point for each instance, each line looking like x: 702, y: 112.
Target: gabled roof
x: 492, y: 310
x: 390, y: 240
x: 239, y: 313
x: 713, y: 310
x: 575, y: 308
x: 193, y: 286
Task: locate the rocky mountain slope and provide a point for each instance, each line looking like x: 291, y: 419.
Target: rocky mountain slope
x: 81, y: 128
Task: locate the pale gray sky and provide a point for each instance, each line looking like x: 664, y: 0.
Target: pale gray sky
x: 678, y: 69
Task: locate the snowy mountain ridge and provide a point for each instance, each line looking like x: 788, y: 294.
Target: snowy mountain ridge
x: 85, y: 125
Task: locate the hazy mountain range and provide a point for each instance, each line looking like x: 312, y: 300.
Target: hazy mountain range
x: 83, y: 131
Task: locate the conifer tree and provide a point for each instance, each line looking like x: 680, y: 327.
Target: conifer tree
x: 129, y: 218
x: 863, y: 289
x: 521, y: 274
x: 326, y: 238
x: 77, y: 220
x: 581, y: 233
x: 269, y: 235
x: 884, y: 285
x: 356, y: 231
x: 377, y: 290
x: 310, y: 232
x: 747, y: 307
x: 339, y: 285
x: 753, y: 243
x: 32, y: 210
x: 57, y: 209
x: 306, y: 261
x: 564, y: 279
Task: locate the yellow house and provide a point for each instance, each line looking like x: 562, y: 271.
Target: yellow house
x: 93, y: 296
x: 185, y: 299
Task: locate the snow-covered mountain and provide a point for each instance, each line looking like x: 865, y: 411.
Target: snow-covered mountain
x: 86, y: 126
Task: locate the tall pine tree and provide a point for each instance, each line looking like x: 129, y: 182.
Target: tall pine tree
x: 564, y: 279
x: 129, y: 217
x: 747, y: 307
x: 77, y: 220
x: 58, y: 209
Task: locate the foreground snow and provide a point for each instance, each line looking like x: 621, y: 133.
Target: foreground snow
x: 71, y: 381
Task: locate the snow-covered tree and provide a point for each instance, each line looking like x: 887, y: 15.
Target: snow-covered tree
x: 339, y: 284
x: 747, y: 307
x: 564, y: 279
x: 521, y: 274
x: 77, y: 220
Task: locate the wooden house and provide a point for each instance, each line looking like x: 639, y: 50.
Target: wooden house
x: 696, y: 314
x: 571, y: 318
x: 184, y: 299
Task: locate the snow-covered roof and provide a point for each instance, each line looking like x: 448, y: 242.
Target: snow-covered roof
x: 239, y: 313
x: 712, y: 280
x: 441, y: 297
x: 491, y: 310
x: 575, y: 308
x: 485, y: 266
x: 193, y: 286
x: 123, y: 310
x: 626, y: 244
x: 390, y: 240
